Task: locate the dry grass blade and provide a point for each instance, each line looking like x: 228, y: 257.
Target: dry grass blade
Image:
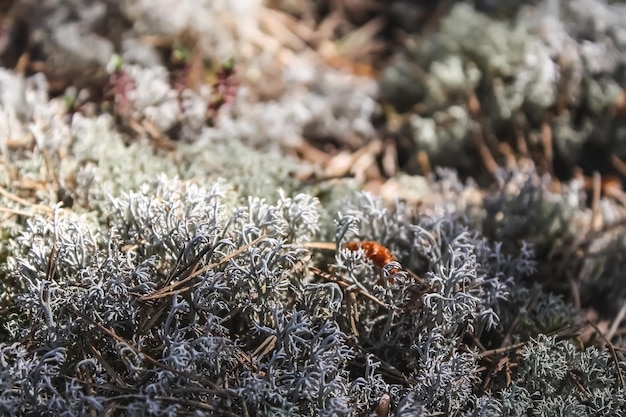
x: 177, y: 270
x: 352, y: 312
x: 387, y: 369
x: 546, y: 142
x: 264, y: 348
x: 424, y: 163
x: 345, y: 285
x: 583, y: 242
x: 289, y: 23
x: 616, y: 322
x: 19, y: 200
x: 488, y: 160
x: 619, y: 165
x: 596, y: 214
x: 501, y: 350
x: 152, y: 317
x: 613, y: 354
x: 569, y: 332
x: 361, y: 41
x: 107, y: 367
x: 215, y: 389
x: 52, y: 264
x: 319, y: 245
x: 189, y: 404
x: 11, y: 211
x: 173, y: 288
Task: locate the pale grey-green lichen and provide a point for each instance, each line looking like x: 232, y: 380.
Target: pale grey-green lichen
x: 549, y: 62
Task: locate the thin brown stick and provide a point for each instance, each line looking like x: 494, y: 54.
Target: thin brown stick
x: 215, y: 389
x: 501, y: 350
x: 22, y: 64
x: 319, y: 245
x: 596, y: 214
x: 546, y: 142
x: 390, y: 158
x: 345, y: 285
x: 310, y: 152
x: 587, y: 236
x: 473, y: 104
x: 619, y: 165
x: 574, y: 290
x: 576, y: 380
x: 287, y: 30
x: 616, y: 322
x: 424, y: 163
x: 8, y: 210
x: 362, y: 40
x: 509, y: 156
x: 183, y: 401
x: 485, y: 154
x: 522, y: 143
x: 172, y: 288
x: 107, y: 367
x: 566, y: 251
x: 561, y: 333
x: 20, y: 200
x: 509, y: 334
x: 264, y: 348
x: 613, y: 354
x: 605, y: 229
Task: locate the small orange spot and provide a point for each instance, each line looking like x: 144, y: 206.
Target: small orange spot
x: 376, y: 252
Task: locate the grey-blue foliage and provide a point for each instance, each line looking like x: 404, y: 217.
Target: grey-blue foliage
x: 194, y: 302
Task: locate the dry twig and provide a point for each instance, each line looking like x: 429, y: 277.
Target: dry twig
x: 173, y: 289
x: 613, y: 354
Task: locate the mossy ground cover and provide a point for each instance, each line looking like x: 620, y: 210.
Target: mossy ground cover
x: 342, y: 208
